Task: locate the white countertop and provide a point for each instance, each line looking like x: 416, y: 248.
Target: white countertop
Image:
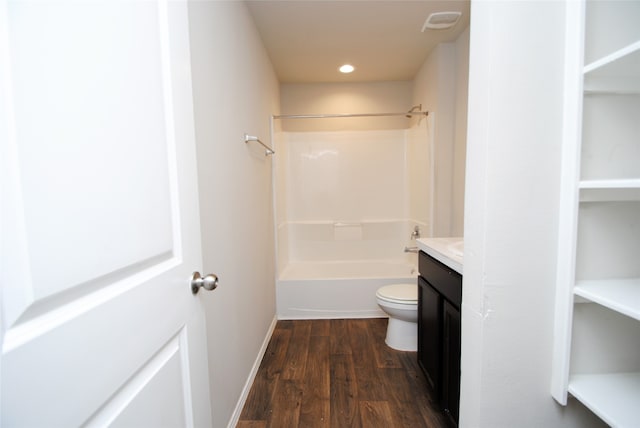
x: 449, y: 251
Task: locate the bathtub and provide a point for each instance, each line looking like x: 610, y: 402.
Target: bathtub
x: 337, y: 289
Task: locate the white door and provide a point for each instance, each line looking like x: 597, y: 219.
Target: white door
x: 100, y: 227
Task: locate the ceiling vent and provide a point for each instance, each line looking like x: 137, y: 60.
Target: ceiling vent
x: 441, y: 20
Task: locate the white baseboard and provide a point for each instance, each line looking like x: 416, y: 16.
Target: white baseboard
x: 302, y: 314
x: 235, y: 417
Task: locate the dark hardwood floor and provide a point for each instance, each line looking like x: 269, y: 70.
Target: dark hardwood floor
x: 338, y: 373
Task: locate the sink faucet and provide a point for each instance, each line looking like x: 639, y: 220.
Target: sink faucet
x: 411, y: 249
x: 416, y: 232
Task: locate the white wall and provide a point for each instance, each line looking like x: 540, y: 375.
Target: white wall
x: 235, y: 91
x: 511, y: 208
x: 341, y: 98
x: 460, y: 132
x: 440, y: 87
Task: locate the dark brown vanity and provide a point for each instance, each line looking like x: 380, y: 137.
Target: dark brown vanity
x: 439, y: 298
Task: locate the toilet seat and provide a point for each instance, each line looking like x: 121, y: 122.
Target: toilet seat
x: 404, y: 294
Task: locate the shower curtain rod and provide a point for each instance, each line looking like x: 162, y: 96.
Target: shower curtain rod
x: 323, y: 116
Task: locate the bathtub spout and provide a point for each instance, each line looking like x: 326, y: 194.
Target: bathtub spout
x: 411, y: 249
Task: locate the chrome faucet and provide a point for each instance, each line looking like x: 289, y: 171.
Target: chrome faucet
x: 416, y: 232
x: 411, y: 249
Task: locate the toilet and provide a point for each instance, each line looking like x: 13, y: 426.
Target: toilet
x: 400, y: 302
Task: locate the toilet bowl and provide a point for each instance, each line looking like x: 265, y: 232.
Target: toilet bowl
x: 400, y: 302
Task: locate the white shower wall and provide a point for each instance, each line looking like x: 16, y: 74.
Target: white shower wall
x: 332, y: 175
x: 351, y: 195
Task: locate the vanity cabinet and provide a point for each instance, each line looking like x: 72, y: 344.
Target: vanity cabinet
x: 597, y: 315
x: 439, y: 331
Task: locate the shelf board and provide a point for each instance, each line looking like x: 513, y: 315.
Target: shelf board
x: 623, y: 62
x: 610, y: 190
x: 601, y: 85
x: 617, y: 73
x: 622, y: 183
x: 613, y: 397
x: 620, y: 295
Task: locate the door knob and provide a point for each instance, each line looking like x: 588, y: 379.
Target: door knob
x: 209, y: 282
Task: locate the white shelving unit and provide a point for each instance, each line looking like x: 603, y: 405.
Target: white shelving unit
x: 597, y: 323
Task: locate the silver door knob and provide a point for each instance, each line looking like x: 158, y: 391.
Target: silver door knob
x: 209, y: 282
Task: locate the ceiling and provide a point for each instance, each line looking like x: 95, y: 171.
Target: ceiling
x: 307, y: 40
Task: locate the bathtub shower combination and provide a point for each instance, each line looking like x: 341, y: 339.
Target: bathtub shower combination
x: 346, y: 206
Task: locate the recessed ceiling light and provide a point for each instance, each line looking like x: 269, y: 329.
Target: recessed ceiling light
x: 347, y: 68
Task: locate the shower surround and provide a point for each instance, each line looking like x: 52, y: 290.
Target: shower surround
x: 346, y: 203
